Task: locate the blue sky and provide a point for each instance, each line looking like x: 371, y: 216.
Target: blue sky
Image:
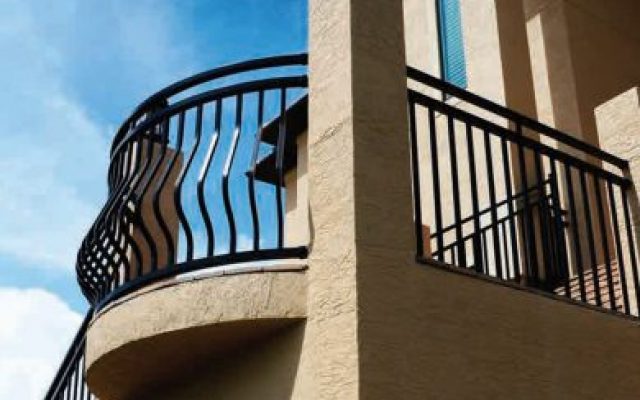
x: 70, y: 72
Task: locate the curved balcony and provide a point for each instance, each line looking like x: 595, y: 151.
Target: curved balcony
x: 200, y: 177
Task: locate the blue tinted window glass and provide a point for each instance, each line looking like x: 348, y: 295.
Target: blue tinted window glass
x: 452, y: 47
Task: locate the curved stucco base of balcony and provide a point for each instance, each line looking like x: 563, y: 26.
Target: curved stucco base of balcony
x: 156, y: 338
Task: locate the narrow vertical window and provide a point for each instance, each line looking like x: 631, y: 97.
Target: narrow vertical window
x: 451, y: 47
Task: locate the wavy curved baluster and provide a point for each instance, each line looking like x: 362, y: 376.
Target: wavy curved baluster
x: 171, y: 246
x: 127, y: 219
x: 100, y: 241
x: 202, y: 177
x: 157, y: 193
x: 225, y: 176
x: 280, y: 152
x: 178, y: 189
x: 252, y: 173
x: 114, y: 232
x: 148, y: 185
x: 151, y: 165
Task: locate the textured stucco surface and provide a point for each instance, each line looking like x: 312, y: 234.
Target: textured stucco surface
x: 240, y: 306
x: 442, y: 335
x: 264, y: 370
x: 591, y: 50
x: 297, y: 202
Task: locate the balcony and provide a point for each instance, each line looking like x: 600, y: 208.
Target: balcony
x: 200, y: 185
x: 207, y: 179
x: 518, y: 202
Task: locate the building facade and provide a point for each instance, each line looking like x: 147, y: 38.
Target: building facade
x: 438, y: 201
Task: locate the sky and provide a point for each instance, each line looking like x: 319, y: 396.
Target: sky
x: 70, y: 73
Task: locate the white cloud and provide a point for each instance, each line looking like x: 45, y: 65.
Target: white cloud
x: 36, y: 329
x: 53, y: 150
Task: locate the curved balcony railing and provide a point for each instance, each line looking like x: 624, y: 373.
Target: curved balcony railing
x: 190, y: 181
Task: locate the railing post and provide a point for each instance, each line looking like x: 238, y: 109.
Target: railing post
x: 360, y: 189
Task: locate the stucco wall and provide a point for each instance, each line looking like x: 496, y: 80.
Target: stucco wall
x: 297, y: 201
x: 583, y: 40
x: 266, y: 370
x: 428, y: 333
x: 163, y: 334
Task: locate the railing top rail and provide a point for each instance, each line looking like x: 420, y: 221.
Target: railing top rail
x: 514, y: 116
x: 525, y: 141
x: 210, y: 95
x: 299, y: 59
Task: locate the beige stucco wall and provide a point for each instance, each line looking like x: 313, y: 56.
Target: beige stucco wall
x: 583, y: 40
x: 437, y: 334
x: 265, y: 370
x: 159, y: 336
x: 297, y: 202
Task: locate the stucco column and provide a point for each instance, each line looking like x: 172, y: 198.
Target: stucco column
x: 359, y: 181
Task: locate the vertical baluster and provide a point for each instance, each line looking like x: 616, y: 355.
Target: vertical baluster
x: 605, y: 242
x: 280, y: 154
x: 435, y: 166
x: 83, y: 380
x: 139, y: 193
x: 505, y: 244
x: 559, y: 229
x: 485, y: 246
x: 202, y: 178
x: 74, y: 382
x: 528, y: 234
x: 228, y: 208
x: 618, y: 244
x: 120, y: 229
x: 512, y: 214
x: 576, y: 234
x: 455, y: 187
x: 128, y: 219
x: 103, y: 235
x: 252, y: 173
x: 477, y: 244
x: 631, y: 243
x: 110, y: 229
x: 180, y: 181
x: 492, y: 200
x: 171, y: 246
x: 590, y: 239
x: 543, y: 212
x: 415, y: 174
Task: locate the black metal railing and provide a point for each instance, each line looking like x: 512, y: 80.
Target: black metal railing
x: 69, y: 382
x: 569, y: 233
x: 183, y: 189
x: 547, y: 203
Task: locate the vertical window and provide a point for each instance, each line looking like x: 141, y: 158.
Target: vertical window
x: 452, y: 61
